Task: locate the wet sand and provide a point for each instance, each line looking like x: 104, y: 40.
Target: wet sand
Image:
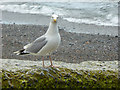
x: 39, y: 19
x: 75, y: 47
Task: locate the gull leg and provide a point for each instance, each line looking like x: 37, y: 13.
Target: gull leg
x: 43, y: 61
x: 52, y: 63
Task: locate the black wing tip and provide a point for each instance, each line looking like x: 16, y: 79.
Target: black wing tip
x: 21, y: 52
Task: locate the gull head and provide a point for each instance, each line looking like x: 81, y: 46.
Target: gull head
x: 54, y: 18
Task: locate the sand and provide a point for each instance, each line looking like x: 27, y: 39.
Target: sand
x: 39, y: 19
x: 74, y: 48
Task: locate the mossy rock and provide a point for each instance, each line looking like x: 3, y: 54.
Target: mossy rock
x: 59, y: 78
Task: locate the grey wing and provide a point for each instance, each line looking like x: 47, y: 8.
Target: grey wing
x: 37, y: 45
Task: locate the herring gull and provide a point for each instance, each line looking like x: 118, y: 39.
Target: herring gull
x: 45, y: 44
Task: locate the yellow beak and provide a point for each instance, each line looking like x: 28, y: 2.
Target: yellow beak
x: 54, y: 20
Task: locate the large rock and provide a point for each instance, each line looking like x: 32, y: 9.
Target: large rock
x: 31, y: 74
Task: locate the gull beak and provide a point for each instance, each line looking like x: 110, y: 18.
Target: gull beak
x: 54, y: 20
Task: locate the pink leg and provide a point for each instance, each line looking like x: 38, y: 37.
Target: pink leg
x: 52, y: 63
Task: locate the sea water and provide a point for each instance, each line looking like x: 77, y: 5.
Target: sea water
x: 104, y: 13
x: 91, y: 13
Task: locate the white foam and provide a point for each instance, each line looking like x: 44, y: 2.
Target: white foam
x: 92, y: 21
x: 88, y: 13
x: 33, y: 9
x: 49, y: 10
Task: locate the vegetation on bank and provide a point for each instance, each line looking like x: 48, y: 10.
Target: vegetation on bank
x: 59, y: 78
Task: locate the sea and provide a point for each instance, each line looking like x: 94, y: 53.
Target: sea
x: 89, y: 13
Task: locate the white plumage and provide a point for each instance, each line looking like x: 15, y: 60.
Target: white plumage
x: 45, y: 44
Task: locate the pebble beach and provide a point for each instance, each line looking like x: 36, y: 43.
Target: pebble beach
x: 74, y: 47
x: 87, y: 57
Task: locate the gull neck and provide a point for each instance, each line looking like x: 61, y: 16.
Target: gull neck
x: 52, y: 29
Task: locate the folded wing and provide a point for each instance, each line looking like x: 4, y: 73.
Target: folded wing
x: 36, y: 46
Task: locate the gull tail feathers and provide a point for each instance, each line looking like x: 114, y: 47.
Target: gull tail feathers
x: 21, y: 52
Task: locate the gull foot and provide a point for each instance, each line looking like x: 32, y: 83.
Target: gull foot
x: 54, y: 66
